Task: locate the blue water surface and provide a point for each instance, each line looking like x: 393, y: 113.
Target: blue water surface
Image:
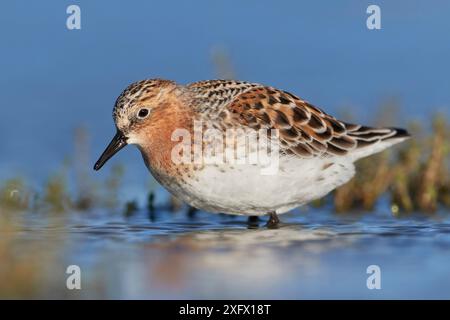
x: 167, y: 255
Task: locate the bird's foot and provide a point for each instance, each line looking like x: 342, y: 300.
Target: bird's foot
x: 273, y: 222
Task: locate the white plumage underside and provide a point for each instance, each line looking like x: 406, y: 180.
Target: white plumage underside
x: 242, y: 188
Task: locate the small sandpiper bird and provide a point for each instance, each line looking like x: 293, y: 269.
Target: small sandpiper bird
x: 315, y: 152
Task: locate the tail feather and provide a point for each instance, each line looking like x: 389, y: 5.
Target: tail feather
x: 372, y: 140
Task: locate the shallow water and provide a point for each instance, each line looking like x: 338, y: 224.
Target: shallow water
x: 313, y: 255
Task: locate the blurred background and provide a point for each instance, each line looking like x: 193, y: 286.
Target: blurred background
x: 58, y: 88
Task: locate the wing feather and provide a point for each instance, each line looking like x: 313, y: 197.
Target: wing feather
x: 304, y: 130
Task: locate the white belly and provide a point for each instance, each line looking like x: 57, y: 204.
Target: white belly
x: 242, y: 189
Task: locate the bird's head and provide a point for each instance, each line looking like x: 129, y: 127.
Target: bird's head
x: 133, y: 112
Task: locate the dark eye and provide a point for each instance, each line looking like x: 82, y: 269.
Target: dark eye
x: 143, y: 113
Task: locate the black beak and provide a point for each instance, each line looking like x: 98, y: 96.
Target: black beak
x: 118, y: 142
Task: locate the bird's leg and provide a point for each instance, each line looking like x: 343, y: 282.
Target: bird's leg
x: 273, y: 222
x: 191, y: 212
x: 253, y: 222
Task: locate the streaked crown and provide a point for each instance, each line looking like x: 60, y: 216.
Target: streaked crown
x: 138, y: 94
